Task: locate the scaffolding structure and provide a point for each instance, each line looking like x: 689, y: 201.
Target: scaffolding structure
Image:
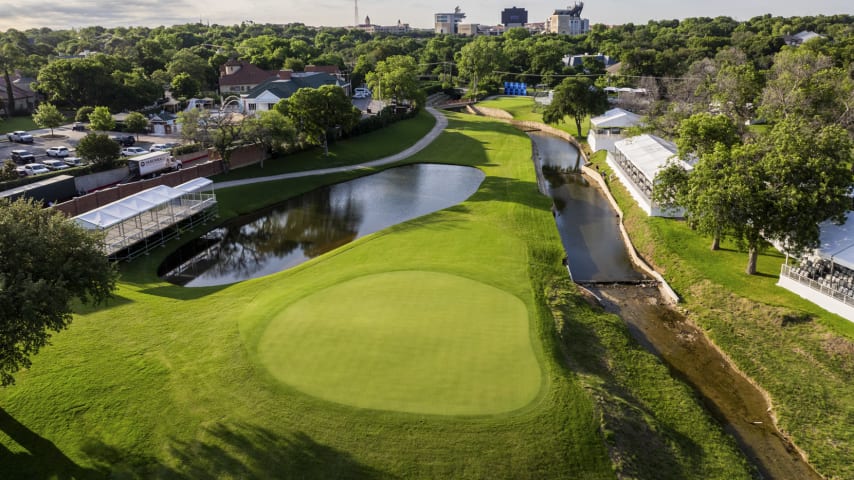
x: 140, y: 222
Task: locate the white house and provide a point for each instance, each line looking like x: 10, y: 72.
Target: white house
x: 608, y: 128
x: 636, y: 161
x: 266, y: 95
x: 826, y: 277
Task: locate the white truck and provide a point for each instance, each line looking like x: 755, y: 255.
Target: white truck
x: 154, y: 162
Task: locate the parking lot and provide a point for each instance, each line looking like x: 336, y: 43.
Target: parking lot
x: 65, y: 137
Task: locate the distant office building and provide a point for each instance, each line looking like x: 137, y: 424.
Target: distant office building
x: 394, y: 29
x: 514, y: 17
x: 568, y: 22
x: 447, y: 22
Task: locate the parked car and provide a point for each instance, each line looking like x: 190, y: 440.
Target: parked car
x: 20, y: 136
x: 74, y: 161
x: 21, y: 171
x: 124, y: 140
x: 158, y: 147
x: 22, y: 156
x: 130, y: 151
x: 361, y: 92
x: 54, y: 164
x: 57, y: 152
x: 35, y: 169
x: 78, y: 127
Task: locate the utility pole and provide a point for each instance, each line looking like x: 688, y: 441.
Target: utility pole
x: 356, y: 15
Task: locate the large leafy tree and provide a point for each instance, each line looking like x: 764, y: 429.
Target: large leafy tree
x: 396, y: 78
x: 40, y: 283
x: 318, y: 112
x: 478, y: 61
x: 48, y: 116
x: 272, y: 130
x: 101, y: 119
x: 136, y: 123
x: 99, y: 149
x: 13, y: 52
x: 576, y: 97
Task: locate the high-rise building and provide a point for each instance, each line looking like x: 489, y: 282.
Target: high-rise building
x: 569, y: 21
x: 514, y: 17
x: 447, y: 22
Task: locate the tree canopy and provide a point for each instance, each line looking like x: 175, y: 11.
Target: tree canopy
x: 48, y: 116
x: 578, y: 98
x: 317, y: 112
x: 46, y: 262
x: 99, y: 149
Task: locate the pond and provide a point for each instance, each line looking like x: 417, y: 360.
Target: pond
x: 317, y: 222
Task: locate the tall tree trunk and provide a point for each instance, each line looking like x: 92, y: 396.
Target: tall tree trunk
x: 9, y: 104
x: 716, y: 241
x: 752, y: 254
x: 578, y: 126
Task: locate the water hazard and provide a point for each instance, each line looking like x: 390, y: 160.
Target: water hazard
x: 590, y: 234
x: 589, y: 228
x: 317, y: 222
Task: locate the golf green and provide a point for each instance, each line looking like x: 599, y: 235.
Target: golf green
x: 411, y: 341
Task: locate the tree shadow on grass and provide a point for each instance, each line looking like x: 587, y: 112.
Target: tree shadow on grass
x: 42, y: 459
x: 237, y: 450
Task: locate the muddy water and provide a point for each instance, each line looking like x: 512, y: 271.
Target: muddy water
x: 596, y: 254
x: 731, y: 399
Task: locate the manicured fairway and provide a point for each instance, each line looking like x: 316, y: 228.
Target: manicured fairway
x: 413, y: 341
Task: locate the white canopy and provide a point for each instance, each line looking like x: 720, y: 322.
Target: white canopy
x: 195, y: 185
x: 649, y: 154
x: 616, y: 117
x: 128, y: 207
x: 836, y: 243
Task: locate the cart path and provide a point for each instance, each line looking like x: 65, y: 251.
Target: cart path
x: 441, y: 123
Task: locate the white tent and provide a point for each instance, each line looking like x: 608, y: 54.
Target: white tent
x: 836, y: 243
x: 139, y: 222
x: 615, y: 118
x: 649, y: 154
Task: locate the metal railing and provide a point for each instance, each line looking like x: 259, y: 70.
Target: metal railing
x: 790, y: 272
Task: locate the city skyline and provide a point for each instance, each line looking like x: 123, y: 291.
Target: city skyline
x: 59, y: 14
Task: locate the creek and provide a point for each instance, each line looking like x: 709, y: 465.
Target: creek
x: 598, y: 259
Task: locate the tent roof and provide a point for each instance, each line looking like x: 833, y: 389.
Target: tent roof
x: 195, y: 185
x: 128, y: 207
x: 616, y: 117
x: 649, y: 153
x: 836, y: 243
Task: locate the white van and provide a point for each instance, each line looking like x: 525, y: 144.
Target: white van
x: 361, y: 92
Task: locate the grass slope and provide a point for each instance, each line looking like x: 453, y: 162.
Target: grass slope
x: 525, y: 108
x: 169, y: 382
x: 801, y: 354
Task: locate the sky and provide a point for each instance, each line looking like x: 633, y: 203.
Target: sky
x: 65, y: 14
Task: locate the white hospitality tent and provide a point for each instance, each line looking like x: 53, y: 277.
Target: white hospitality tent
x: 608, y: 127
x: 826, y: 278
x: 146, y: 219
x: 636, y: 161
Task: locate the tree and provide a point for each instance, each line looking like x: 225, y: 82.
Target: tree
x: 478, y: 60
x: 271, y: 129
x: 101, y: 120
x: 99, y: 149
x: 576, y: 97
x: 13, y: 50
x: 136, y: 123
x: 83, y: 113
x: 48, y: 116
x: 317, y: 111
x: 41, y: 283
x: 396, y: 78
x: 184, y: 86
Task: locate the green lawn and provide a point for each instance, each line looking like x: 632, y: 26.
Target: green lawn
x: 362, y: 148
x: 17, y: 123
x: 525, y: 108
x: 238, y: 381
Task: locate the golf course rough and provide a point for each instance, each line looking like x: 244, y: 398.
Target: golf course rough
x: 410, y: 341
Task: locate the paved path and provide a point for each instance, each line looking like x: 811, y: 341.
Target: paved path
x: 441, y: 123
